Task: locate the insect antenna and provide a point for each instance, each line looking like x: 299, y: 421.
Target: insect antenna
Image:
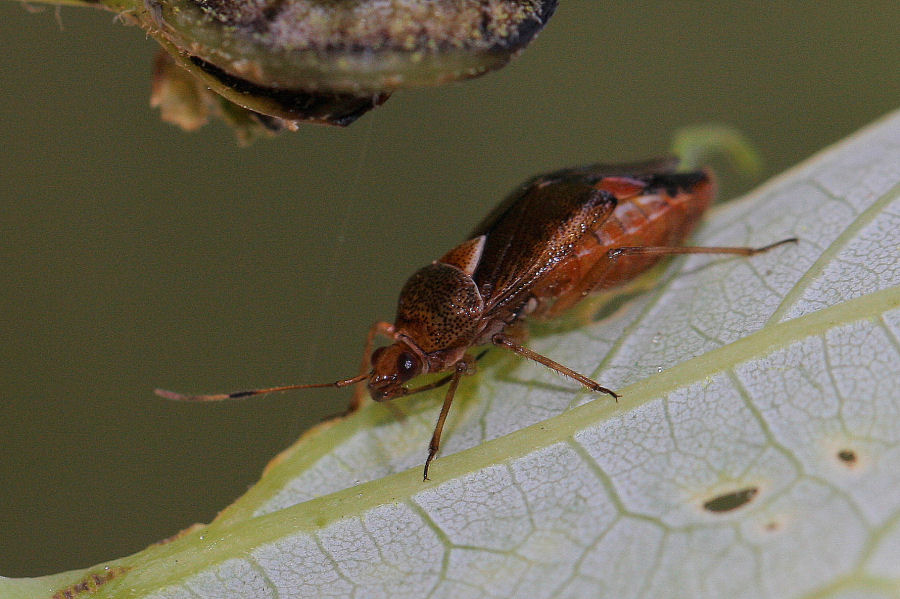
x: 250, y: 392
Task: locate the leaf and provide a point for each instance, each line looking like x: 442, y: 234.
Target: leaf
x: 754, y: 451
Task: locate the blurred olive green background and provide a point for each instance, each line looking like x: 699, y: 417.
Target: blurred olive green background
x: 135, y: 255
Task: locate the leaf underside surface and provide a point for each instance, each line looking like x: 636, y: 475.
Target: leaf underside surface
x: 755, y: 450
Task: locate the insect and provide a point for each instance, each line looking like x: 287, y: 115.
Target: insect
x: 553, y: 241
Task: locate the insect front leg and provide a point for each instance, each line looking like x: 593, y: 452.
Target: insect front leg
x: 360, y: 395
x: 464, y: 366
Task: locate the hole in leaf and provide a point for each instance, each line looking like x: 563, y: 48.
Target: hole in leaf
x: 730, y: 501
x: 848, y: 456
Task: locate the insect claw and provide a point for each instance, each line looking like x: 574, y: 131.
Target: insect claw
x: 597, y: 388
x: 776, y: 244
x: 431, y: 454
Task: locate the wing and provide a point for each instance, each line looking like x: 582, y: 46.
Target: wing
x: 538, y: 226
x: 587, y: 175
x: 543, y: 221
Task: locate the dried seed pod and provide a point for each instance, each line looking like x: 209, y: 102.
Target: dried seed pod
x: 330, y: 61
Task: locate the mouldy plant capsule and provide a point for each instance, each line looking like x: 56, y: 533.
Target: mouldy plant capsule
x: 323, y: 61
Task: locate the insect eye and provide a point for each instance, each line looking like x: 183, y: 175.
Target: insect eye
x: 406, y: 364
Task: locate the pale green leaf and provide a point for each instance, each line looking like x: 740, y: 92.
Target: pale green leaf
x: 755, y: 451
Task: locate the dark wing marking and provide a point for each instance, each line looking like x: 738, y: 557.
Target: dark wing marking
x: 588, y: 175
x: 538, y: 227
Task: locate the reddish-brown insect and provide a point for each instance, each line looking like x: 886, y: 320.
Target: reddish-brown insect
x: 553, y: 241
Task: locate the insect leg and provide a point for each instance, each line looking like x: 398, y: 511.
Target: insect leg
x: 666, y: 251
x: 597, y: 275
x: 504, y: 341
x: 438, y: 383
x: 443, y: 381
x: 462, y: 367
x: 379, y: 328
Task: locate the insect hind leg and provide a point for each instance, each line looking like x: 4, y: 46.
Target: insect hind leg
x: 668, y: 251
x: 597, y: 278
